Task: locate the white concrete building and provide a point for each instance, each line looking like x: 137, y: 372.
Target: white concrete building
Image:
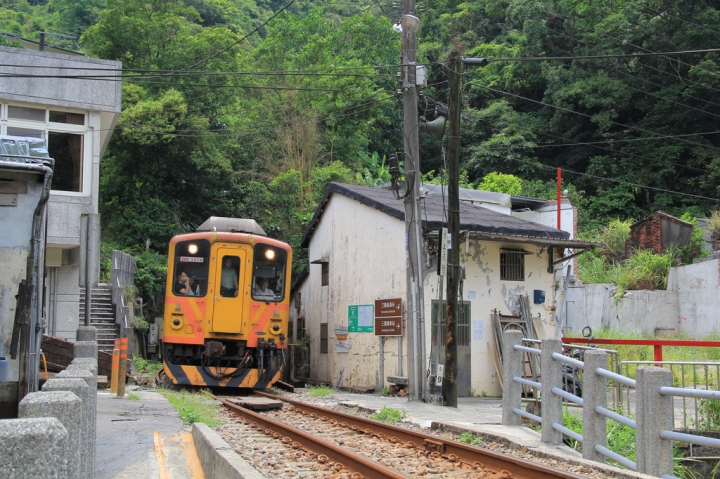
x: 356, y: 247
x: 73, y: 102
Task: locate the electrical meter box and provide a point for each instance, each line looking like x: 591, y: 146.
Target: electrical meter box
x: 539, y: 296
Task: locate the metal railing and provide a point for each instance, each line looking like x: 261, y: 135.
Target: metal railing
x: 654, y: 396
x: 698, y: 414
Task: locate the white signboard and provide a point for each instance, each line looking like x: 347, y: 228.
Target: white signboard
x: 478, y: 330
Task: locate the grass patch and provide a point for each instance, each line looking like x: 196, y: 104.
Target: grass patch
x: 147, y: 366
x: 389, y: 415
x: 194, y: 406
x: 133, y: 397
x: 320, y: 391
x: 471, y: 439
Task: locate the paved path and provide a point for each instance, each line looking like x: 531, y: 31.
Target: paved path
x: 142, y: 439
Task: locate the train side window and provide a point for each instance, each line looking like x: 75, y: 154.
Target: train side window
x: 191, y: 268
x: 230, y: 276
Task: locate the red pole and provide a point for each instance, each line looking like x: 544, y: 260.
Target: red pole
x: 658, y: 352
x: 559, y: 197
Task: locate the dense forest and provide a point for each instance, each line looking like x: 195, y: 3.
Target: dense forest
x: 248, y: 108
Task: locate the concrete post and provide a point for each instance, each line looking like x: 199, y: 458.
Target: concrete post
x: 89, y: 411
x: 85, y: 349
x: 654, y: 414
x: 87, y: 333
x: 512, y: 367
x: 66, y: 407
x: 31, y: 448
x: 552, y: 409
x: 594, y: 394
x: 88, y: 364
x: 80, y: 388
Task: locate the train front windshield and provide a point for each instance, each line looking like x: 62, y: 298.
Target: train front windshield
x: 192, y: 259
x: 269, y: 267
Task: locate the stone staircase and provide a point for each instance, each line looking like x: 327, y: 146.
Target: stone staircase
x: 102, y: 316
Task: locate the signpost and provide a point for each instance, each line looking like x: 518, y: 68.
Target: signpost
x: 388, y: 317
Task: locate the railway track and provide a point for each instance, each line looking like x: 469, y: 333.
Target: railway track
x: 302, y: 440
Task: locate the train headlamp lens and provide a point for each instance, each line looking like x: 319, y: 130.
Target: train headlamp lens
x: 192, y: 249
x: 176, y: 322
x: 270, y: 254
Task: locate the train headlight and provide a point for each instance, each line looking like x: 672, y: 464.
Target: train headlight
x: 192, y: 248
x: 270, y: 254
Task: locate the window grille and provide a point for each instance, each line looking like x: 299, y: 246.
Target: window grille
x: 323, y: 338
x: 325, y: 274
x: 512, y: 265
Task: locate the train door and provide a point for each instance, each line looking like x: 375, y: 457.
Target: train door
x: 228, y: 293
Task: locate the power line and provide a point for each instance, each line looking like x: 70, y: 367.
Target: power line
x: 592, y: 57
x: 241, y: 39
x: 637, y: 185
x: 584, y: 114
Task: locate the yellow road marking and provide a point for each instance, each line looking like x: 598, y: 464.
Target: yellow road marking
x: 193, y: 461
x: 162, y: 466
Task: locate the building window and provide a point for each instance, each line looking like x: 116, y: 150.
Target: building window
x: 323, y: 338
x: 325, y: 274
x: 300, y: 331
x: 68, y: 142
x: 512, y: 265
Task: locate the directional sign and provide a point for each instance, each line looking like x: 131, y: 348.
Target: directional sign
x: 388, y: 317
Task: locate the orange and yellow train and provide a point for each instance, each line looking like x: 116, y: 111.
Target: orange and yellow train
x: 226, y: 306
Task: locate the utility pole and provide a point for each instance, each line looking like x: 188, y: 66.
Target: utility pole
x: 449, y: 384
x: 413, y: 260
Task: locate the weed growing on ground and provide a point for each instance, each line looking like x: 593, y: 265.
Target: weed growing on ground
x: 320, y: 391
x: 194, y: 406
x: 147, y: 366
x: 133, y: 397
x: 389, y: 415
x: 470, y: 438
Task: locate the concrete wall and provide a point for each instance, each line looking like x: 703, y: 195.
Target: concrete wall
x: 689, y: 305
x: 16, y: 226
x: 485, y: 292
x: 366, y: 256
x: 366, y: 262
x: 698, y: 297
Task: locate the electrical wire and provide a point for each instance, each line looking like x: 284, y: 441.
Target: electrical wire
x: 585, y: 114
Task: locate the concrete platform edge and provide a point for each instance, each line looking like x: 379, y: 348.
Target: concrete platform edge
x: 218, y: 459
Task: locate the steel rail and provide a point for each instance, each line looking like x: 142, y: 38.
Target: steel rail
x: 449, y: 449
x: 302, y: 440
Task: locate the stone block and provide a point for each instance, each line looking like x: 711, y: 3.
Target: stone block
x: 35, y: 448
x: 86, y: 349
x: 87, y: 333
x: 66, y: 407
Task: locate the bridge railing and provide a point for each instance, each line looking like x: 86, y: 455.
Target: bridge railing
x: 654, y: 393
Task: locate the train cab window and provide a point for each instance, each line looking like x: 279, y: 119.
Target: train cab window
x: 229, y: 276
x: 269, y: 267
x: 191, y: 268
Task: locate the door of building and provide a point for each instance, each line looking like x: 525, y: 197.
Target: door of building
x: 462, y: 342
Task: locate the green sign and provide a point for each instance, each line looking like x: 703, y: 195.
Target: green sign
x: 361, y: 318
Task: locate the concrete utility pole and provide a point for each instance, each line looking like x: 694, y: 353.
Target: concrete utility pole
x: 411, y: 144
x: 449, y: 385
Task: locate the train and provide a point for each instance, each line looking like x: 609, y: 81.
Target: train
x: 227, y: 296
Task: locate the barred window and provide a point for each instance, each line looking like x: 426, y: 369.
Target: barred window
x: 323, y: 338
x: 512, y: 265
